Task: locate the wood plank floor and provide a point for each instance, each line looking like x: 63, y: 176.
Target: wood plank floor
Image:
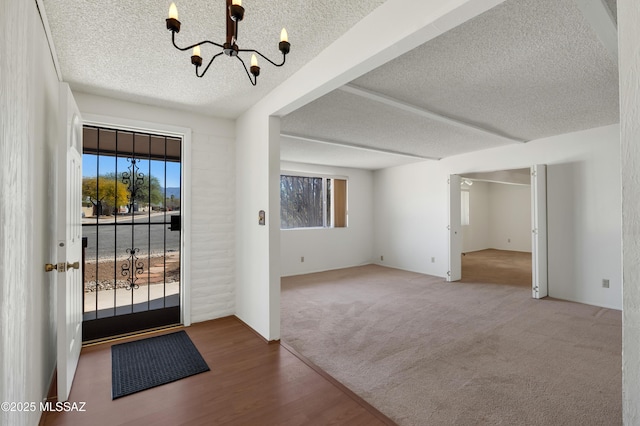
x: 250, y: 383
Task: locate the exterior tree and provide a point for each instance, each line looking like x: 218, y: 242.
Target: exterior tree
x: 145, y: 191
x: 148, y: 191
x: 105, y: 193
x: 300, y: 202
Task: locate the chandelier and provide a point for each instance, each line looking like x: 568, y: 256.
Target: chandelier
x: 235, y: 13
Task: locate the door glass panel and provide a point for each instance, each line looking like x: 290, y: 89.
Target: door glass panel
x: 131, y: 226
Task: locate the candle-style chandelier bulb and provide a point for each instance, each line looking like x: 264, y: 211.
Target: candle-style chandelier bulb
x: 173, y: 11
x: 173, y: 24
x: 255, y: 69
x: 196, y: 59
x: 284, y: 45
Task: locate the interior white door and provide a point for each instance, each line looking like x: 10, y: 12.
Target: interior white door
x: 455, y: 230
x: 69, y: 240
x: 539, y: 284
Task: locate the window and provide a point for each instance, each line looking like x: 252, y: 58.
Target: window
x: 312, y: 202
x: 464, y: 203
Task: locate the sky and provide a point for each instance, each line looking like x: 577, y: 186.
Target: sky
x: 107, y: 164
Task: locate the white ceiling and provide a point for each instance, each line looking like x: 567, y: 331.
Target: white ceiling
x: 525, y: 69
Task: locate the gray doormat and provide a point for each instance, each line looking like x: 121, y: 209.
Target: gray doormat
x: 151, y: 362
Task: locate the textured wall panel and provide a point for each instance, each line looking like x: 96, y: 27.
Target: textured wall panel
x: 28, y: 119
x: 14, y: 154
x: 213, y: 227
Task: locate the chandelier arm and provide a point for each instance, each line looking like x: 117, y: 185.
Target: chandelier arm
x: 173, y: 39
x: 208, y: 65
x: 284, y: 57
x: 255, y: 79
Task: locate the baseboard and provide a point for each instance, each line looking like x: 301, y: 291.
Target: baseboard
x: 52, y: 394
x: 269, y: 342
x: 326, y: 270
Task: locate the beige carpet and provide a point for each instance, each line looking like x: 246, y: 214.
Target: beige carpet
x: 497, y: 266
x: 428, y: 352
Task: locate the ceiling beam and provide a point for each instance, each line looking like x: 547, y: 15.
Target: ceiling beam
x: 354, y: 146
x: 600, y: 17
x: 394, y: 103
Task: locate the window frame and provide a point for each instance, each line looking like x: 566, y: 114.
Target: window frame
x: 465, y: 207
x: 324, y: 177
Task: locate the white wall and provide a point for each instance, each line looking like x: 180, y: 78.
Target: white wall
x: 629, y: 52
x: 258, y: 188
x: 28, y: 126
x: 510, y: 217
x: 212, y: 198
x: 410, y: 217
x: 332, y: 248
x: 584, y: 211
x: 500, y: 217
x: 475, y: 236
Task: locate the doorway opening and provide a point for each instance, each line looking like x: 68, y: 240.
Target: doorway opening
x: 496, y: 229
x: 497, y: 239
x: 131, y: 208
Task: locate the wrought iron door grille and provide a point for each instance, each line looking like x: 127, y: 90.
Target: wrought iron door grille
x: 131, y: 205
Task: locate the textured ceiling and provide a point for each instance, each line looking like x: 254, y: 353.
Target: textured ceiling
x: 301, y: 151
x: 123, y: 49
x: 527, y: 69
x: 344, y: 117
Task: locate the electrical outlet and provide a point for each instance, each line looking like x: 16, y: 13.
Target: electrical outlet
x: 433, y: 260
x: 302, y: 259
x: 605, y: 283
x: 381, y: 258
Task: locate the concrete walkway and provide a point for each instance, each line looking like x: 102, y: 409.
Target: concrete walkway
x: 153, y: 293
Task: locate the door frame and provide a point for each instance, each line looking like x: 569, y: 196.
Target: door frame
x: 185, y: 201
x: 539, y: 252
x: 454, y: 228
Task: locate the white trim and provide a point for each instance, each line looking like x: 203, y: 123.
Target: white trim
x: 284, y: 172
x: 47, y: 33
x: 185, y: 208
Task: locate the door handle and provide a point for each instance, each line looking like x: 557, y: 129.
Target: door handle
x: 50, y: 267
x: 74, y: 265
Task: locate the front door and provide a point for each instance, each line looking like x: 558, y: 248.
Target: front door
x: 69, y: 241
x: 131, y: 202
